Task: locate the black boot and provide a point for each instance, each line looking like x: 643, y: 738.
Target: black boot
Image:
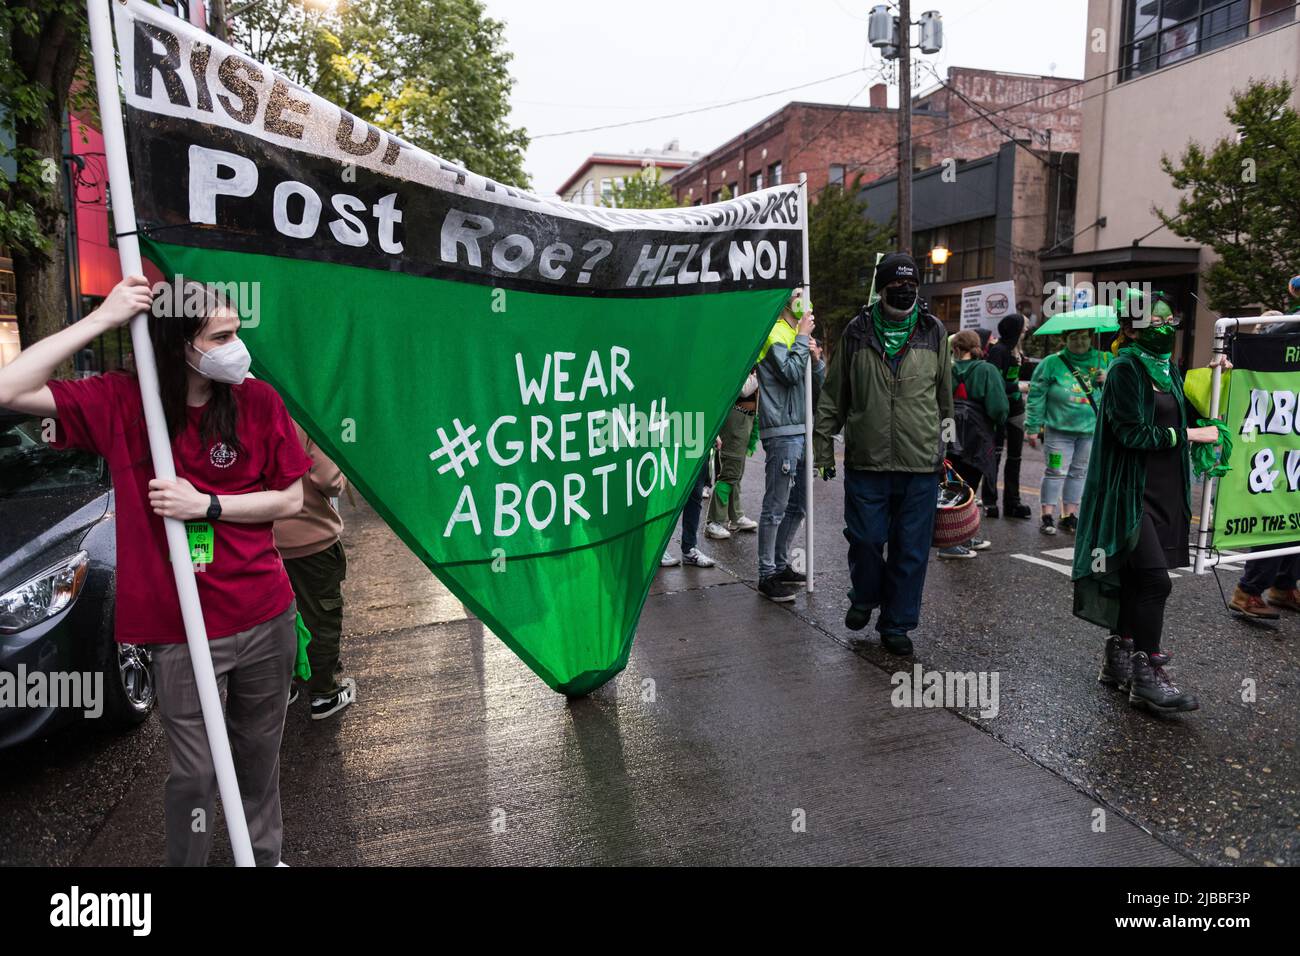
x: 1151, y: 688
x: 1116, y: 666
x: 1016, y: 510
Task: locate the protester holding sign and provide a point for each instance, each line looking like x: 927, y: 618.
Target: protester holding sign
x: 1136, y: 511
x: 782, y: 417
x: 889, y: 387
x: 241, y: 462
x: 1062, y: 412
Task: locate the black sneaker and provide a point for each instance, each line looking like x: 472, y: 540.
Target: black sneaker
x: 896, y: 643
x: 857, y: 618
x: 1017, y: 511
x: 775, y: 590
x: 788, y: 575
x: 1048, y: 526
x: 1069, y: 524
x: 322, y: 707
x: 990, y: 511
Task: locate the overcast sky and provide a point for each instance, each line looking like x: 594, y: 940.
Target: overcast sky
x: 584, y: 63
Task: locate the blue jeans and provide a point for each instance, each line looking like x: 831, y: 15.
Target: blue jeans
x: 894, y: 509
x: 1069, y: 468
x: 785, y: 480
x: 691, y: 511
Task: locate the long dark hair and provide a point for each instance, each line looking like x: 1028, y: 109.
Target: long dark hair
x: 170, y: 334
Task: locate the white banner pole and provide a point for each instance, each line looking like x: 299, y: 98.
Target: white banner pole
x: 100, y: 18
x: 808, y: 391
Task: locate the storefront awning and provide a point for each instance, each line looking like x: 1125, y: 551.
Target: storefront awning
x: 1123, y: 257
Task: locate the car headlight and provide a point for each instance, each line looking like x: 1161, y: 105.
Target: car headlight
x: 44, y: 595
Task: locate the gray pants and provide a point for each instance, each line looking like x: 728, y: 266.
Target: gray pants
x: 252, y: 669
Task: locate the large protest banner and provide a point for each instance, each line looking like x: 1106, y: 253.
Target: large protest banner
x: 523, y: 388
x: 1258, y: 501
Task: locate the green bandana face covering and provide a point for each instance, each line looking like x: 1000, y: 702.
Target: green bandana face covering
x: 1156, y: 339
x: 1157, y: 365
x: 893, y: 335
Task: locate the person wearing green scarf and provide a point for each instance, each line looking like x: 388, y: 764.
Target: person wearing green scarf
x: 1061, y: 412
x: 893, y: 331
x: 1135, y: 518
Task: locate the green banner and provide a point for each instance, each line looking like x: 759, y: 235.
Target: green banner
x: 525, y: 389
x: 1258, y: 501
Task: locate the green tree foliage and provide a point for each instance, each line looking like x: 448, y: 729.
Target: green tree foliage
x: 1241, y: 199
x: 434, y: 72
x: 43, y: 49
x: 644, y: 190
x: 842, y: 247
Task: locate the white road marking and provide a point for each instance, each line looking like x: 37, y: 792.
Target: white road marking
x: 1063, y: 568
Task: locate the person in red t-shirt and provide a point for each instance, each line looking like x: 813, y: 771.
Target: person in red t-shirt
x: 239, y: 467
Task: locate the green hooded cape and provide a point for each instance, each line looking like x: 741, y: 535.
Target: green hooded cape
x: 1110, y: 515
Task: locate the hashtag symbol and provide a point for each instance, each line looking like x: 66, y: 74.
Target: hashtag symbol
x: 468, y: 450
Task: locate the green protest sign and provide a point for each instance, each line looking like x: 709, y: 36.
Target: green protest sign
x: 1258, y: 501
x: 523, y: 388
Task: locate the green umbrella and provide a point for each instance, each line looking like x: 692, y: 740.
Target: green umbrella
x: 1099, y: 318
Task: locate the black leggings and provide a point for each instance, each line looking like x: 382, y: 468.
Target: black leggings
x: 1143, y: 593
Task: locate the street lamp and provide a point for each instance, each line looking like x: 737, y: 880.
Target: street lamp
x: 939, y: 255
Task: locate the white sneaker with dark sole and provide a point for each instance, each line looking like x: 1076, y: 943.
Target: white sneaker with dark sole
x: 322, y: 707
x: 695, y: 558
x: 743, y: 524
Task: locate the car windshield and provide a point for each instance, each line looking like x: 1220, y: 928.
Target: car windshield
x: 28, y: 465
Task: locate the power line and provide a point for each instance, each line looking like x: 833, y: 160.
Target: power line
x: 1100, y: 76
x: 701, y: 109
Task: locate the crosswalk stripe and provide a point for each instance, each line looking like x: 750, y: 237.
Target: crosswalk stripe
x: 1063, y: 568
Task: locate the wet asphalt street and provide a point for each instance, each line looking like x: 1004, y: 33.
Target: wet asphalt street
x: 741, y: 732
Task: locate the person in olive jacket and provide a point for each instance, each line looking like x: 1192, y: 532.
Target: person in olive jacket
x: 889, y: 387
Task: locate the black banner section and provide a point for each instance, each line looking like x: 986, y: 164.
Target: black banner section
x: 214, y: 187
x: 1266, y: 353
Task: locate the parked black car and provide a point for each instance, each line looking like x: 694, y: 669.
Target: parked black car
x: 57, y: 565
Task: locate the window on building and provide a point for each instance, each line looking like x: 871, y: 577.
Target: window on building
x: 606, y: 191
x: 837, y: 175
x: 755, y: 181
x: 970, y: 245
x: 1275, y: 13
x: 733, y: 189
x: 774, y: 174
x: 1158, y: 33
x: 715, y: 196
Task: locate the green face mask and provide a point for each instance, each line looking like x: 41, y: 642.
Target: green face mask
x: 1156, y: 339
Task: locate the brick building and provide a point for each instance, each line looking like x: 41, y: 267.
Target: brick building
x: 833, y: 143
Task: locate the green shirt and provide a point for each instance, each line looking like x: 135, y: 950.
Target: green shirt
x: 1057, y: 400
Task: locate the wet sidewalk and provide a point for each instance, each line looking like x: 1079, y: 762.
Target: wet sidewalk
x: 739, y: 734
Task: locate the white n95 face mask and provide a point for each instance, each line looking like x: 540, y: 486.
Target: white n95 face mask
x: 227, y: 363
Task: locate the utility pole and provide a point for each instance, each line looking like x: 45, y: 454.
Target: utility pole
x: 892, y: 36
x: 218, y: 28
x: 905, y: 126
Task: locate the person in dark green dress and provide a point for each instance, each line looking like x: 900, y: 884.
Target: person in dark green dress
x: 1135, y: 517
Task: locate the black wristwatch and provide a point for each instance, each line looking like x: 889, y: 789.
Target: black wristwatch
x: 214, y: 509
